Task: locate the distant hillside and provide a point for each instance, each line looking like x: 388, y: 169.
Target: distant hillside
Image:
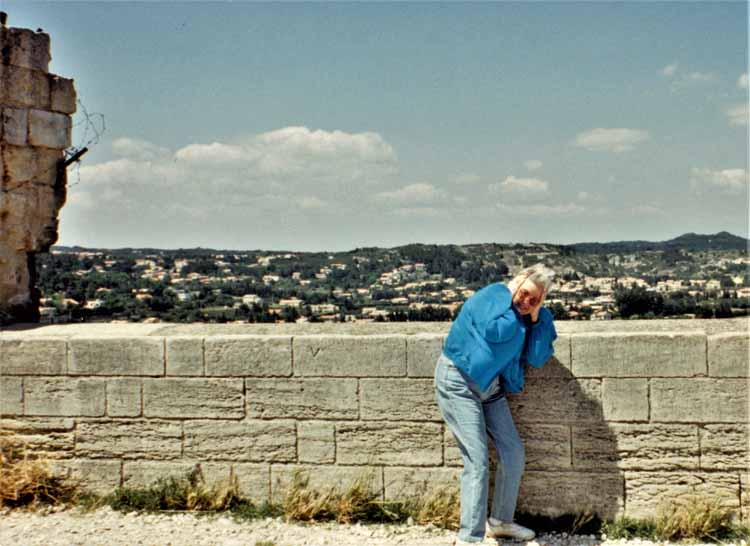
x: 689, y: 241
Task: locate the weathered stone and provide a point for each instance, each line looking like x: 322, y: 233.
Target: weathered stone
x: 184, y: 398
x: 38, y: 356
x: 302, y: 398
x: 625, y: 399
x: 635, y: 447
x: 639, y: 355
x: 399, y: 399
x: 57, y: 396
x: 49, y: 129
x: 451, y: 453
x: 729, y: 355
x: 647, y: 492
x: 26, y: 163
x: 745, y: 497
x: 402, y: 483
x: 389, y: 443
x: 129, y: 439
x: 558, y: 365
x: 316, y: 442
x: 117, y: 356
x: 252, y: 441
x: 324, y: 478
x: 15, y: 126
x: 254, y: 480
x: 39, y: 438
x: 62, y: 94
x: 124, y: 397
x: 558, y: 401
x: 27, y: 48
x: 24, y: 88
x: 699, y: 400
x: 99, y: 476
x: 145, y: 473
x: 554, y: 493
x: 257, y: 356
x: 422, y: 352
x: 547, y: 446
x: 350, y: 356
x: 185, y: 355
x: 11, y: 395
x: 725, y: 447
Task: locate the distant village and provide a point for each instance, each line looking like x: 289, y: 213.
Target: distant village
x: 416, y: 282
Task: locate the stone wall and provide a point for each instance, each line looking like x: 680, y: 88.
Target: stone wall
x: 617, y: 422
x: 35, y: 128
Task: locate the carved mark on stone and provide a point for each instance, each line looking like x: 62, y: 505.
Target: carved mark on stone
x: 315, y: 351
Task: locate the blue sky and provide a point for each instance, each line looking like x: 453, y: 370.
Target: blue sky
x: 332, y: 126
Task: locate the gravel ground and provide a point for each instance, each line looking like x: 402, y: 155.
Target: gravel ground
x: 107, y: 527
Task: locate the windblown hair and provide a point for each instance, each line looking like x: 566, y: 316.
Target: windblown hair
x: 539, y: 274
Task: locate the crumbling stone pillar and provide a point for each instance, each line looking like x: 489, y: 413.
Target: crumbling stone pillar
x: 35, y: 129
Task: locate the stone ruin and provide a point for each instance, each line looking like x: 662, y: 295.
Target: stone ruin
x: 35, y: 130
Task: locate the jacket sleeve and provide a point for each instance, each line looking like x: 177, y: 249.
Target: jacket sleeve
x: 538, y: 348
x: 502, y: 328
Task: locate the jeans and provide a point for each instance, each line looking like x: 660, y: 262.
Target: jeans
x: 474, y: 417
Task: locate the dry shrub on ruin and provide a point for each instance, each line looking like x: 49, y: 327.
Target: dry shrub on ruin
x: 26, y: 481
x: 693, y: 518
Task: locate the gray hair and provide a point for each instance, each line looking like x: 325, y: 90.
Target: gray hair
x: 539, y: 274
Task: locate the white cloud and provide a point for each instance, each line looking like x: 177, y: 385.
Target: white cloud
x: 611, y: 140
x: 415, y: 212
x: 468, y: 178
x: 729, y: 180
x: 669, y: 70
x: 522, y: 185
x: 700, y: 77
x: 562, y: 209
x: 588, y: 196
x: 532, y: 164
x: 645, y: 210
x: 412, y: 194
x: 742, y: 81
x: 311, y: 202
x: 133, y: 148
x: 737, y: 115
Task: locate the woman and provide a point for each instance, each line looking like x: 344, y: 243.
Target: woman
x: 498, y: 331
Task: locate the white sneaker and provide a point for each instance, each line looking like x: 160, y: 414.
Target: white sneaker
x: 509, y: 530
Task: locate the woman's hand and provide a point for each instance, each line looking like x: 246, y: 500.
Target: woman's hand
x: 535, y: 310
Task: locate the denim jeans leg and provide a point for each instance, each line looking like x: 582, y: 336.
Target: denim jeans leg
x: 511, y: 458
x: 462, y: 410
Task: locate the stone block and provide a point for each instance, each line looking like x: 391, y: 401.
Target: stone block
x: 422, y: 352
x: 310, y: 398
x: 574, y: 493
x: 547, y: 446
x: 729, y: 355
x: 403, y: 483
x: 49, y: 129
x: 624, y: 354
x: 243, y: 356
x: 646, y: 492
x: 185, y: 355
x: 635, y: 447
x: 316, y: 442
x: 254, y: 480
x: 57, y: 396
x: 27, y: 49
x: 399, y: 400
x: 11, y: 395
x: 129, y: 439
x: 350, y: 356
x: 25, y: 163
x: 558, y: 365
x: 24, y: 88
x: 558, y: 401
x: 38, y: 356
x: 625, y: 399
x: 324, y: 478
x: 98, y: 476
x: 185, y: 398
x: 745, y: 497
x: 250, y: 441
x: 124, y: 397
x: 451, y: 453
x: 15, y: 126
x: 725, y: 447
x: 117, y: 356
x: 145, y: 473
x: 699, y: 400
x: 62, y: 94
x: 389, y: 443
x: 43, y: 438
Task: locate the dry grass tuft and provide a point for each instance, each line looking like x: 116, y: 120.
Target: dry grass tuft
x: 25, y: 481
x: 693, y: 518
x: 440, y: 507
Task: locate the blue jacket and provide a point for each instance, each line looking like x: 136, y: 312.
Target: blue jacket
x: 489, y: 338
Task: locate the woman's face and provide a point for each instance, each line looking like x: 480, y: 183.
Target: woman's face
x: 527, y: 296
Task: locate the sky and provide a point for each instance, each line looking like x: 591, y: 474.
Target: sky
x: 333, y: 126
